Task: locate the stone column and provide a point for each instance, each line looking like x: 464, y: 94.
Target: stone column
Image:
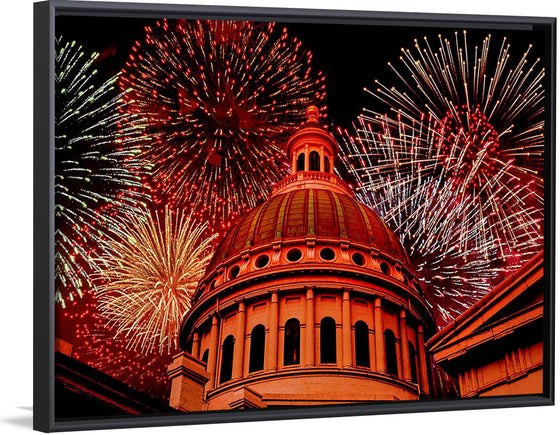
x: 306, y: 158
x: 294, y: 163
x: 379, y: 341
x: 196, y: 346
x: 272, y: 360
x: 405, y: 353
x: 423, y: 369
x: 346, y: 330
x: 213, y: 351
x: 240, y: 342
x: 310, y: 329
x: 322, y: 157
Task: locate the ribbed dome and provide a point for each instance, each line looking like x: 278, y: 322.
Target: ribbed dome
x: 310, y: 212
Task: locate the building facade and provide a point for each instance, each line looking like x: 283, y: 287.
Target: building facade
x: 495, y: 348
x: 310, y: 299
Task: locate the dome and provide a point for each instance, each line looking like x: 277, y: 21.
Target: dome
x: 308, y: 300
x: 313, y: 205
x: 314, y: 212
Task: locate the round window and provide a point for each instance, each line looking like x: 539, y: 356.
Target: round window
x: 262, y: 261
x: 294, y: 255
x: 385, y: 268
x: 358, y: 259
x: 234, y: 272
x: 327, y: 254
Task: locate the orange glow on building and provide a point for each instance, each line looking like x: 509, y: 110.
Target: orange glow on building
x: 310, y: 299
x: 496, y: 347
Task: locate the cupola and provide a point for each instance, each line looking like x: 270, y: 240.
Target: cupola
x: 312, y: 149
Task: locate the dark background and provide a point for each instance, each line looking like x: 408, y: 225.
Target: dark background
x: 350, y: 56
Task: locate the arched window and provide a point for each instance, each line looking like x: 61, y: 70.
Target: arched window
x: 300, y: 162
x: 327, y: 164
x: 362, y: 344
x: 314, y: 161
x: 413, y: 368
x: 328, y: 340
x: 227, y: 359
x: 256, y: 356
x: 291, y: 342
x: 391, y: 353
x: 189, y: 346
x: 204, y: 358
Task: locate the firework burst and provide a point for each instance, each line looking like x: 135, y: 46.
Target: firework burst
x: 90, y: 171
x: 94, y: 344
x: 457, y: 171
x: 150, y: 269
x: 489, y: 111
x: 219, y: 98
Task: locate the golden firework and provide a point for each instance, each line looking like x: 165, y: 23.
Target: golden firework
x: 150, y: 268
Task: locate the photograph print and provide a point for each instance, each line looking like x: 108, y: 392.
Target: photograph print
x: 270, y: 214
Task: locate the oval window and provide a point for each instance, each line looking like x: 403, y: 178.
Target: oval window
x: 327, y: 254
x: 384, y: 268
x: 234, y: 272
x: 294, y: 255
x: 262, y: 261
x: 358, y: 259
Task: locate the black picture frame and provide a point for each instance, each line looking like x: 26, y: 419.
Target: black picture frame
x: 43, y: 346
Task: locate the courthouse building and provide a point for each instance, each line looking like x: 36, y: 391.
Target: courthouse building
x: 310, y: 299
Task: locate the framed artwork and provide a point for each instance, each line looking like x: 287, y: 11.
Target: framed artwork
x: 258, y: 214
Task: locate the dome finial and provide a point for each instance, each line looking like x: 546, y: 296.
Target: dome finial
x: 312, y: 114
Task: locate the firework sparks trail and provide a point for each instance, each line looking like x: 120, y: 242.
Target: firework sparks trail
x: 81, y: 324
x: 93, y: 171
x: 456, y: 167
x: 451, y: 236
x: 149, y: 270
x: 219, y: 98
x: 492, y: 119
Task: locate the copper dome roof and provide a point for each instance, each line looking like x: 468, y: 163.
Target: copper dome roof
x: 310, y: 212
x: 312, y: 202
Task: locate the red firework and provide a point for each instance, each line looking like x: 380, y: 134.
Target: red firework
x: 216, y: 101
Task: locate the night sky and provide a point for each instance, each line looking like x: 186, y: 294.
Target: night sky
x: 350, y: 56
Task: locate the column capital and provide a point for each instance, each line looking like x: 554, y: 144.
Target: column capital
x: 309, y: 292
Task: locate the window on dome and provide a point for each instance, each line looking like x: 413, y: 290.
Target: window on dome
x: 385, y: 268
x: 262, y: 261
x: 291, y: 342
x: 204, y: 358
x: 327, y: 164
x: 227, y: 359
x: 314, y: 161
x: 362, y: 344
x: 300, y: 162
x: 327, y: 254
x: 328, y: 340
x: 358, y: 259
x: 189, y: 346
x: 413, y: 367
x: 391, y: 353
x: 294, y: 254
x: 234, y: 272
x: 256, y: 356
